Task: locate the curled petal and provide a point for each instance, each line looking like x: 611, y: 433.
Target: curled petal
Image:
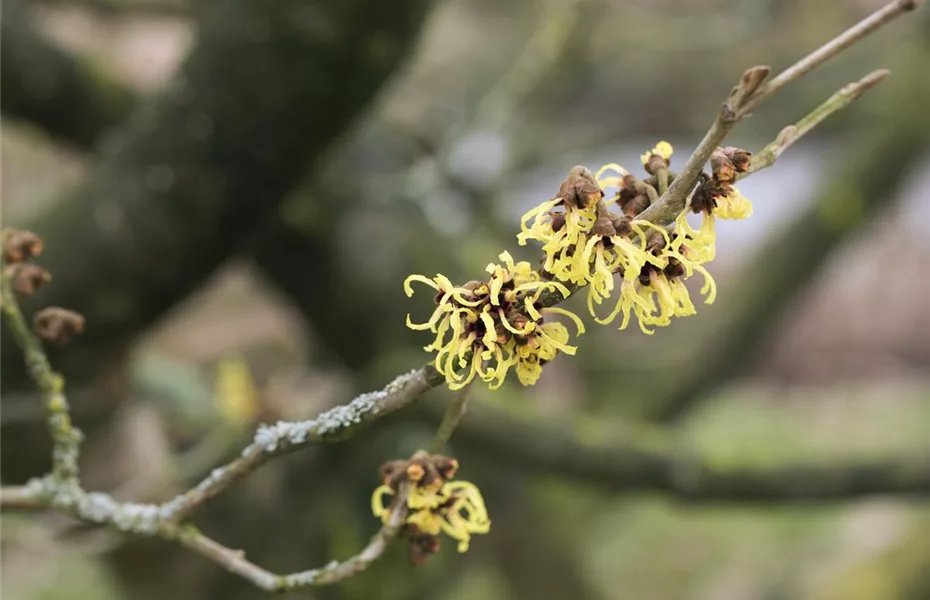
x: 579, y: 325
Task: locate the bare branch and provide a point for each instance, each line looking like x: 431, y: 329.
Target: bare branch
x: 450, y: 421
x: 336, y: 424
x: 877, y: 19
x: 235, y: 561
x: 747, y: 95
x: 67, y: 439
x: 789, y: 135
x: 20, y: 497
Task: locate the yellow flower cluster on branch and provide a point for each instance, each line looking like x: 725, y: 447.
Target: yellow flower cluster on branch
x: 485, y: 328
x: 435, y: 504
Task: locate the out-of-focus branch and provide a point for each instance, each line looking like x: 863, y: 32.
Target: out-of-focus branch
x: 68, y: 97
x: 19, y: 497
x: 66, y: 438
x: 151, y: 8
x: 640, y: 458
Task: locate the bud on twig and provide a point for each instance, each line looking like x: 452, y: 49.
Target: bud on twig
x: 57, y: 325
x: 26, y: 278
x: 20, y: 245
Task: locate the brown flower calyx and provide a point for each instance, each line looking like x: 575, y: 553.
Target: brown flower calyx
x: 655, y: 162
x: 26, y: 278
x: 57, y: 325
x: 20, y: 245
x: 422, y: 470
x: 580, y: 189
x: 422, y: 545
x: 633, y: 197
x: 741, y: 159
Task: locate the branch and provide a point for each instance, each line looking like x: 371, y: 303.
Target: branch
x: 450, y: 420
x: 68, y: 97
x: 20, y: 497
x: 66, y: 439
x: 151, y: 8
x: 789, y: 135
x: 747, y: 95
x: 336, y: 424
x: 642, y: 458
x: 235, y: 562
x: 864, y: 184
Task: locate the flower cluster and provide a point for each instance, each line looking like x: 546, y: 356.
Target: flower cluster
x: 435, y: 504
x: 484, y: 328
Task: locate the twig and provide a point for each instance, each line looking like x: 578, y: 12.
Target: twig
x: 235, y: 561
x: 789, y: 135
x: 450, y: 421
x: 66, y: 438
x: 18, y: 497
x: 336, y: 424
x: 747, y: 95
x: 877, y: 19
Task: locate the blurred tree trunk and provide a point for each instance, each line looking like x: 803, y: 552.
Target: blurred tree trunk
x: 71, y: 100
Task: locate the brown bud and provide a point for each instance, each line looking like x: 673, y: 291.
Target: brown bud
x: 421, y: 546
x: 27, y: 278
x: 603, y: 227
x: 622, y: 225
x: 392, y: 472
x: 558, y: 220
x: 654, y: 163
x: 740, y: 158
x: 446, y: 466
x: 20, y: 245
x: 674, y: 268
x: 580, y: 189
x: 636, y: 206
x: 57, y: 325
x: 722, y: 168
x: 655, y: 242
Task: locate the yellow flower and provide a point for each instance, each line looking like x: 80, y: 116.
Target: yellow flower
x: 465, y: 514
x: 733, y: 206
x: 663, y: 149
x: 435, y: 504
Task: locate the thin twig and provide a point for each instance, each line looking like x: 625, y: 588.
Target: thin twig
x: 747, y: 95
x: 336, y: 424
x: 334, y: 572
x: 66, y: 438
x: 450, y: 421
x: 19, y: 497
x: 876, y: 20
x: 792, y: 133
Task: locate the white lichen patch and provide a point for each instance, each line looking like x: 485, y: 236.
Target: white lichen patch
x: 131, y: 517
x: 270, y: 438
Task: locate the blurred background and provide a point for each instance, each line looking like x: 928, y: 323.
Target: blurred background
x: 231, y: 191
